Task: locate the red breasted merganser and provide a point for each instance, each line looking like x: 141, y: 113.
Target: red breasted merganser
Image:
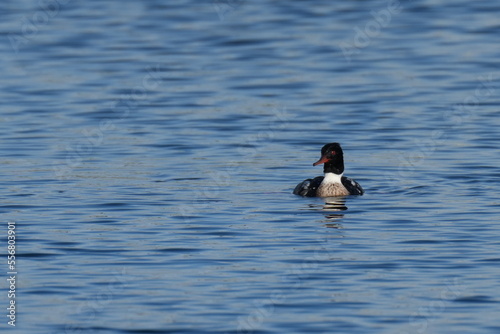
x: 333, y: 183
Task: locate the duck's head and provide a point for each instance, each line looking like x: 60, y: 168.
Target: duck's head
x: 332, y: 157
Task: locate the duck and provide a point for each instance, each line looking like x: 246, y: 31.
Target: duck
x: 332, y: 183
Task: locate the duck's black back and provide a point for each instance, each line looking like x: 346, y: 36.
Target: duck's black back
x: 352, y: 186
x: 308, y: 187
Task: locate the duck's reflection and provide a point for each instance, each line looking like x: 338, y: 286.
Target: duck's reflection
x: 334, y: 207
x: 334, y: 204
x: 334, y: 225
x: 333, y: 210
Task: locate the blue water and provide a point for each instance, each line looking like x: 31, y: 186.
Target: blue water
x: 149, y: 151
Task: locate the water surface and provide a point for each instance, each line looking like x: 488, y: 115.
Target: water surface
x: 150, y: 151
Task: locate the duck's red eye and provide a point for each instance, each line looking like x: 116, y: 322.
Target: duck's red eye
x: 333, y: 152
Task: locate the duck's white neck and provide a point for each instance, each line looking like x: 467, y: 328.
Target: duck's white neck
x: 332, y: 178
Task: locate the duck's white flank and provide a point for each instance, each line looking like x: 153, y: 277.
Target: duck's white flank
x: 332, y: 178
x: 332, y: 186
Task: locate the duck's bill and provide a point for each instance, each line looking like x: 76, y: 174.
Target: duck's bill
x: 321, y: 161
